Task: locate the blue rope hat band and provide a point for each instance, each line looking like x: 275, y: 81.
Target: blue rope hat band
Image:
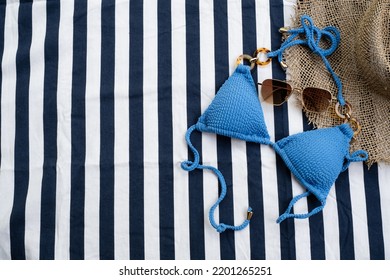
x: 192, y: 165
x: 312, y: 38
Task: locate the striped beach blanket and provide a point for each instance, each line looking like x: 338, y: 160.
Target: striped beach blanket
x: 95, y: 100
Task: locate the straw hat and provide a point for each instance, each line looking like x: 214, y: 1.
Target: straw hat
x: 362, y: 61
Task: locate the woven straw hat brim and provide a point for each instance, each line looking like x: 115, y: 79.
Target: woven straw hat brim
x: 371, y: 106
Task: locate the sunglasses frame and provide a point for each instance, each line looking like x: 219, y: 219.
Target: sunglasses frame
x: 301, y: 92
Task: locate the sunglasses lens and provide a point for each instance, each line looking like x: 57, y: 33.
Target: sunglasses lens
x: 275, y: 92
x: 316, y: 99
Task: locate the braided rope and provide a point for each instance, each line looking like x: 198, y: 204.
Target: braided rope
x: 312, y: 38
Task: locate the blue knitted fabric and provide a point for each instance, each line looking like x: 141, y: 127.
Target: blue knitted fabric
x: 236, y: 111
x: 316, y: 158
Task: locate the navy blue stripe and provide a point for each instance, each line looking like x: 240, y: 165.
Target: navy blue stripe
x: 106, y: 213
x: 374, y: 214
x: 165, y: 141
x: 48, y: 196
x: 316, y: 222
x: 255, y: 186
x: 2, y: 20
x: 17, y: 221
x: 344, y: 209
x: 287, y: 229
x: 77, y: 202
x: 137, y: 247
x: 197, y: 245
x: 256, y: 201
x: 224, y: 151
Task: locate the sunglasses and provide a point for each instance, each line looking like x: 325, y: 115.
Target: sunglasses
x: 278, y: 92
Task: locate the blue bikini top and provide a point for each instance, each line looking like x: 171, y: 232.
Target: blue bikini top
x: 316, y: 157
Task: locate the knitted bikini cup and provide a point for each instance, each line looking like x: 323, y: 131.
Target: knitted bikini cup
x: 316, y: 158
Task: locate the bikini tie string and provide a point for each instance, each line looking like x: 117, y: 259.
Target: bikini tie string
x: 310, y: 35
x: 192, y: 165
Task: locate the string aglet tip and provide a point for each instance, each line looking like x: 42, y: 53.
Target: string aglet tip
x: 284, y: 65
x: 249, y: 214
x: 284, y: 29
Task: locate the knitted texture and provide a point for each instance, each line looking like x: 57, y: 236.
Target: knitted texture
x: 313, y: 36
x: 316, y: 158
x: 362, y: 61
x: 236, y: 111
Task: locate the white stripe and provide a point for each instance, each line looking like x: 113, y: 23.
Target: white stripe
x: 238, y: 147
x: 121, y: 214
x: 331, y: 226
x: 241, y: 201
x: 151, y: 167
x: 359, y: 211
x: 179, y: 117
x: 384, y: 190
x: 37, y: 63
x: 289, y: 7
x: 92, y: 131
x: 8, y: 89
x: 64, y: 98
x: 268, y: 157
x: 271, y: 203
x: 209, y: 140
x: 302, y: 226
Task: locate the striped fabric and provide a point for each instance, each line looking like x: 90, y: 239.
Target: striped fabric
x: 96, y: 97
